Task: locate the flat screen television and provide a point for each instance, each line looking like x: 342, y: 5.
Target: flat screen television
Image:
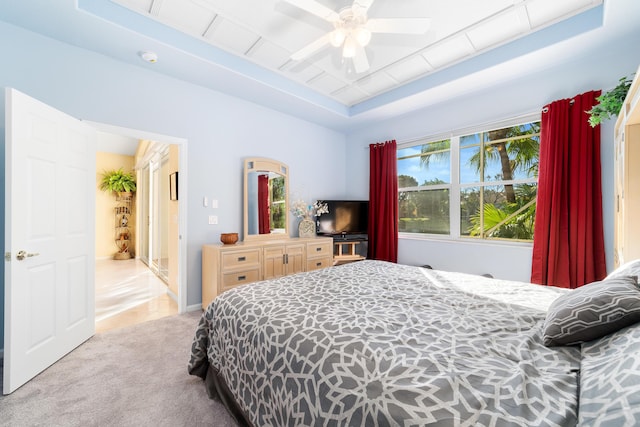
x: 345, y: 217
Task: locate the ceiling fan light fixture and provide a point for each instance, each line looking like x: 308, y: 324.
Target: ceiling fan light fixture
x: 352, y: 30
x: 362, y: 36
x: 349, y: 48
x: 337, y: 36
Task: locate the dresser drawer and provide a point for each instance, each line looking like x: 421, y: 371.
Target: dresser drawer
x: 320, y: 249
x: 315, y: 264
x: 236, y: 278
x: 233, y: 260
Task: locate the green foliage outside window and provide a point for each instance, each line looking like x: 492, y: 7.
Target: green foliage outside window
x: 424, y: 207
x: 508, y: 212
x: 277, y: 198
x: 497, y: 184
x: 508, y: 220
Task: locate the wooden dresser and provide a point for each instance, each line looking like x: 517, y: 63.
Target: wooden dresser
x: 227, y: 266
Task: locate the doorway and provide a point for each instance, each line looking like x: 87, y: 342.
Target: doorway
x: 130, y: 290
x: 151, y: 284
x: 64, y: 300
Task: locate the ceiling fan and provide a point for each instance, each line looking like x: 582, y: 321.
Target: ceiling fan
x: 352, y: 30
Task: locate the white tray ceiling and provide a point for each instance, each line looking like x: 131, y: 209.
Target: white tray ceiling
x: 267, y: 32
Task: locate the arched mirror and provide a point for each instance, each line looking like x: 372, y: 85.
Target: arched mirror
x: 266, y: 199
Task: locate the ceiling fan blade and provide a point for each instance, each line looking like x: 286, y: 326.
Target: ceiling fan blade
x: 362, y: 5
x: 315, y: 8
x: 399, y: 25
x: 360, y: 60
x: 311, y: 48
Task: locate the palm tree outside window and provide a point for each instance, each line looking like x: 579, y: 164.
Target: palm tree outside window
x: 478, y: 185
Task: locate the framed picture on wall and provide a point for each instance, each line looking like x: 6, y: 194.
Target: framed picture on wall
x: 173, y: 186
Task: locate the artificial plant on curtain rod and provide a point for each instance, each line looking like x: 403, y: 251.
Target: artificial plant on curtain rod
x: 568, y: 242
x: 383, y: 201
x: 609, y: 103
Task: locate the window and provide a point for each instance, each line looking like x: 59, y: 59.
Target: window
x: 277, y: 198
x: 479, y: 185
x: 424, y: 188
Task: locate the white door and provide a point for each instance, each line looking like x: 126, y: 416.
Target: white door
x: 49, y: 237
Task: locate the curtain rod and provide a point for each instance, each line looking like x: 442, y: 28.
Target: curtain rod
x: 465, y: 130
x: 546, y: 109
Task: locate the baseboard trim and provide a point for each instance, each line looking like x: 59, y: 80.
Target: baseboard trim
x: 195, y: 307
x: 172, y: 295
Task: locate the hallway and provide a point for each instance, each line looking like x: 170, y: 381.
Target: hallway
x: 127, y: 292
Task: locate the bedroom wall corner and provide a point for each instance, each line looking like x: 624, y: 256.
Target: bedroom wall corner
x: 600, y: 71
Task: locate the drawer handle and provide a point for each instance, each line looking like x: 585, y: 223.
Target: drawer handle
x: 242, y: 258
x: 318, y: 249
x: 242, y: 278
x: 318, y: 264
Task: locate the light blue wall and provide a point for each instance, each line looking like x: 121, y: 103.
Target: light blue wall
x: 600, y: 70
x: 221, y: 130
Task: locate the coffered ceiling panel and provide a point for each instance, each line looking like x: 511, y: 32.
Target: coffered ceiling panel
x: 354, y: 51
x: 409, y: 68
x: 326, y: 83
x: 230, y: 36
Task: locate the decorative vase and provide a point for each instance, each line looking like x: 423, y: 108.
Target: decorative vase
x: 306, y: 228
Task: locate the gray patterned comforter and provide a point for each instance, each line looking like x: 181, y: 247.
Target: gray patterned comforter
x: 379, y: 344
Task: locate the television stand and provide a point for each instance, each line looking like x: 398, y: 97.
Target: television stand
x: 341, y: 257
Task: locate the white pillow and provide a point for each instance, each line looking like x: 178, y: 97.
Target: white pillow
x: 631, y: 268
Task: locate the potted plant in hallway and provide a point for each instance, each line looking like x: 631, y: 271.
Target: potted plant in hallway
x: 118, y: 181
x: 122, y: 184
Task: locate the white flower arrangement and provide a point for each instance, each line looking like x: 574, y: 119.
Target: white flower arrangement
x: 320, y: 208
x: 300, y: 209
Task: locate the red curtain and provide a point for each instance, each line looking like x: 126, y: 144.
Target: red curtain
x: 568, y: 242
x: 383, y: 202
x: 263, y: 205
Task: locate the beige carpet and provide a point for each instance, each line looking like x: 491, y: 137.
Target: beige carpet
x: 135, y: 376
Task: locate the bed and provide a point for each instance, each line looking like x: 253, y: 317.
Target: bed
x: 373, y: 343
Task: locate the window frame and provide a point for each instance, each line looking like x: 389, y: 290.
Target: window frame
x: 455, y: 186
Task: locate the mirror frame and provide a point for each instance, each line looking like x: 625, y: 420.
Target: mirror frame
x: 261, y: 164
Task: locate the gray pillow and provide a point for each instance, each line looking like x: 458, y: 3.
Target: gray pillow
x: 631, y: 268
x: 592, y: 311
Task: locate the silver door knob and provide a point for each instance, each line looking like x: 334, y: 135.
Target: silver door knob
x: 24, y: 254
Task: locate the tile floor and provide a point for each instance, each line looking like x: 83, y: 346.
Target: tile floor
x: 127, y: 292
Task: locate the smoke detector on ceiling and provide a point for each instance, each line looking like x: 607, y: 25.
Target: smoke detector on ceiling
x: 150, y: 57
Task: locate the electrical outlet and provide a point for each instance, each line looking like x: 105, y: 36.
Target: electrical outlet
x: 213, y: 219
